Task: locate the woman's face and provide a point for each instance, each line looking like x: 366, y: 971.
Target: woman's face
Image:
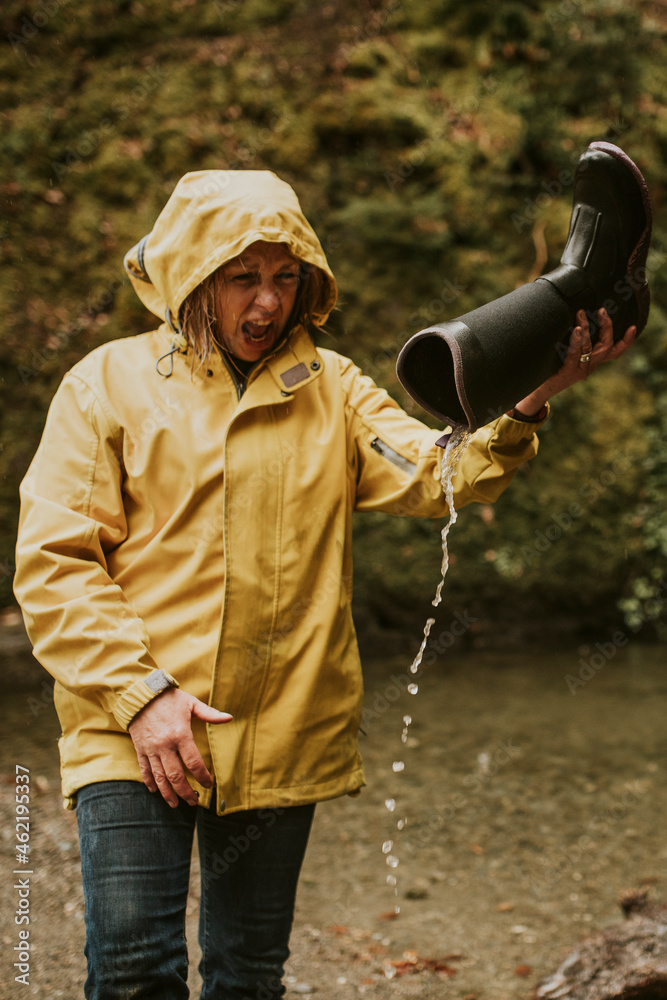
x: 255, y: 300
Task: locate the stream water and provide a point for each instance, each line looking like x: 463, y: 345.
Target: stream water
x: 532, y: 804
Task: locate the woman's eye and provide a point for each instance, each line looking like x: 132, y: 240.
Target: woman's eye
x: 249, y: 277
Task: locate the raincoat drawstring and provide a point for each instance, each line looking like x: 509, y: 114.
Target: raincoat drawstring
x: 178, y: 344
x: 170, y: 354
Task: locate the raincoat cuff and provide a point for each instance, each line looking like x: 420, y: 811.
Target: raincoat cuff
x: 140, y: 694
x: 517, y: 429
x: 511, y: 428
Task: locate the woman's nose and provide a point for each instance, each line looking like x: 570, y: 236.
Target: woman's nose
x: 267, y: 296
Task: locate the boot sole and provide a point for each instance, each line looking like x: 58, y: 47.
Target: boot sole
x: 637, y: 259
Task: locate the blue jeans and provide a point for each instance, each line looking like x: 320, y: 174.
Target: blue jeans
x: 135, y: 863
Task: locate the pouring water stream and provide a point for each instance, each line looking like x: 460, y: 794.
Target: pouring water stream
x: 458, y: 442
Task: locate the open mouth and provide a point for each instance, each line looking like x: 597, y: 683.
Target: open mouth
x: 257, y: 331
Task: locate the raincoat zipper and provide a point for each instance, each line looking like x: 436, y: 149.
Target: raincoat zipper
x: 403, y: 463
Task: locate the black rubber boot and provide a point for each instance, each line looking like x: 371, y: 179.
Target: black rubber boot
x: 472, y: 369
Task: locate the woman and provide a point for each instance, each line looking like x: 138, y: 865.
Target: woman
x: 184, y: 567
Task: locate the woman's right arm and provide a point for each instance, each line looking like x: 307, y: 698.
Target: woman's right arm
x: 83, y: 628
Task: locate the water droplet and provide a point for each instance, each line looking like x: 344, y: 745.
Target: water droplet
x: 404, y: 737
x: 390, y: 804
x: 387, y: 846
x: 398, y: 765
x: 392, y: 861
x: 391, y: 880
x: 400, y: 824
x: 407, y: 719
x: 397, y: 909
x: 413, y: 688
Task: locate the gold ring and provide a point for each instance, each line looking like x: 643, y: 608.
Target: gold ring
x: 585, y: 357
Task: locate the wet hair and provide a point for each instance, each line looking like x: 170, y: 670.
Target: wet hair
x: 199, y: 322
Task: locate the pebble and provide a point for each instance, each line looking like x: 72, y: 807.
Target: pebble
x: 303, y: 988
x: 418, y: 890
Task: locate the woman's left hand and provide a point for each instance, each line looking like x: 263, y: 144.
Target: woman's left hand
x: 581, y: 361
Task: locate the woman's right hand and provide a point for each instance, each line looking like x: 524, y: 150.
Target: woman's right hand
x: 575, y: 368
x: 165, y: 746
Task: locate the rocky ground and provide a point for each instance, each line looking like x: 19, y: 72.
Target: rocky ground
x: 525, y: 809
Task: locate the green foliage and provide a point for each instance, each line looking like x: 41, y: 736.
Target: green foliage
x: 431, y: 145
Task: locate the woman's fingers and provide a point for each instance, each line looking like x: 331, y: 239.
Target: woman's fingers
x: 605, y: 349
x: 146, y: 773
x: 606, y: 339
x: 171, y: 780
x: 165, y: 746
x: 621, y: 346
x: 582, y: 359
x: 580, y: 343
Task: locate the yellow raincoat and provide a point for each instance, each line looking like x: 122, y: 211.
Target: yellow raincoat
x: 168, y: 524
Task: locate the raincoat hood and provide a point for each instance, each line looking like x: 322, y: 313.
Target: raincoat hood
x: 211, y: 217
